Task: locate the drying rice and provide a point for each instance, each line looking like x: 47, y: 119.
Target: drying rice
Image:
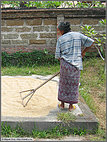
x: 43, y: 101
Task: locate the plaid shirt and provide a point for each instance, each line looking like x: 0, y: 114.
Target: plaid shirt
x: 69, y: 47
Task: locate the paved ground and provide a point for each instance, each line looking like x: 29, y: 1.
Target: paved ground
x: 67, y: 138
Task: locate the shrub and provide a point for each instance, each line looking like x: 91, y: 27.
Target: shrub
x: 28, y: 58
x: 99, y: 38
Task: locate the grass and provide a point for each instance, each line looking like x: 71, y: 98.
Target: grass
x: 92, y: 88
x: 66, y: 117
x: 27, y: 71
x: 93, y: 91
x: 57, y: 132
x: 99, y: 136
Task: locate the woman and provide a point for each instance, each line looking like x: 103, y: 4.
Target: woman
x: 68, y: 51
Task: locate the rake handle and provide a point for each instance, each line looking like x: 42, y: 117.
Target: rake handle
x: 33, y: 90
x: 46, y: 81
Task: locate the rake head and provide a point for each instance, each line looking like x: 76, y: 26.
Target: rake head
x: 32, y: 91
x: 23, y: 96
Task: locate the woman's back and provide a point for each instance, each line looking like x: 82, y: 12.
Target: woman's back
x: 70, y: 47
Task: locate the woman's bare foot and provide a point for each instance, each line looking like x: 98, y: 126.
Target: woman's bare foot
x: 61, y: 105
x: 71, y: 107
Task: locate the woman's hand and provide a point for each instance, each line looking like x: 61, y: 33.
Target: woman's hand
x: 83, y: 54
x: 85, y: 50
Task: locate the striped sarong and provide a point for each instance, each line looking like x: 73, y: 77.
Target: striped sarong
x: 68, y: 91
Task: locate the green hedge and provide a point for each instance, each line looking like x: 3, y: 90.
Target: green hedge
x: 33, y: 58
x: 28, y: 58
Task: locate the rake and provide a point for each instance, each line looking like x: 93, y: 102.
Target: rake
x: 32, y: 91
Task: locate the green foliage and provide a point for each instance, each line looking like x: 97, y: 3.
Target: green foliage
x: 66, y: 117
x: 53, y: 133
x: 36, y: 69
x: 103, y: 22
x: 79, y: 132
x: 28, y: 58
x: 92, y: 79
x: 11, y: 3
x: 99, y: 38
x: 100, y: 135
x: 97, y: 4
x: 7, y: 131
x: 51, y: 4
x: 101, y: 132
x: 57, y: 132
x: 54, y: 4
x: 83, y: 5
x: 38, y: 4
x: 88, y: 30
x: 93, y: 4
x: 88, y: 99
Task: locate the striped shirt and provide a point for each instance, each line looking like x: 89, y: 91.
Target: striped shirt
x: 69, y: 47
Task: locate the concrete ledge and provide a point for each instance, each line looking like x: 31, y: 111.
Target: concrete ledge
x: 86, y: 121
x: 47, y: 13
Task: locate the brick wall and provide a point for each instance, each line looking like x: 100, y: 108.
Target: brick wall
x: 37, y: 29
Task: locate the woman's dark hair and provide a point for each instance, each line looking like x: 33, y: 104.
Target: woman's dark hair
x: 64, y: 26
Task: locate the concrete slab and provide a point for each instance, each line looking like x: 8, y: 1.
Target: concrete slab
x: 85, y: 119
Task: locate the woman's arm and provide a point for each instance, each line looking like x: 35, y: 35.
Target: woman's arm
x: 85, y: 50
x: 58, y: 52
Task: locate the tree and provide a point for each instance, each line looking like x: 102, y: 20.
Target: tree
x: 52, y: 4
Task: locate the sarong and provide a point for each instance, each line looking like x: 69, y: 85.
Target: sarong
x: 68, y: 91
